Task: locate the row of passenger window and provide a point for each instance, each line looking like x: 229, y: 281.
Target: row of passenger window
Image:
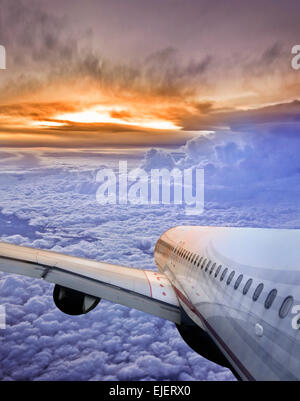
x: 207, y: 266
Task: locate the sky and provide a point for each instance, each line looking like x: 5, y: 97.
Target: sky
x: 186, y: 84
x: 139, y: 73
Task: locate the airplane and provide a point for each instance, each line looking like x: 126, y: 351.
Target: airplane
x: 231, y: 292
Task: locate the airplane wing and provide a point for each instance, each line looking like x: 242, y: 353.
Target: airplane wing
x: 145, y: 290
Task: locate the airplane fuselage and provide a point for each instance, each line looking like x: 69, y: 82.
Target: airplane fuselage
x: 240, y: 286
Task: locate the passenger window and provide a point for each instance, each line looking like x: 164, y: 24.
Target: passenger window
x: 212, y: 268
x: 258, y: 291
x: 238, y: 281
x: 200, y: 260
x: 270, y: 298
x: 218, y: 271
x: 207, y: 266
x: 231, y: 275
x: 195, y: 261
x: 223, y: 274
x: 247, y: 286
x: 203, y: 264
x: 286, y: 307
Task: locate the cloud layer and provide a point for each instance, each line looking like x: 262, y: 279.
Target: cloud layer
x: 252, y: 179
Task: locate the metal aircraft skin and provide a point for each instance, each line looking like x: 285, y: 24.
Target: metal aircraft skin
x: 234, y: 291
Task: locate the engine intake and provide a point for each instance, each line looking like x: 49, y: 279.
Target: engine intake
x: 72, y: 302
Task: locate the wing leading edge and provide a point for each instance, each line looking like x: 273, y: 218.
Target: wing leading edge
x: 145, y: 290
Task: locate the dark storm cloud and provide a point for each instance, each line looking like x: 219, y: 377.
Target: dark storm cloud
x: 33, y: 32
x: 165, y: 69
x: 285, y: 113
x: 171, y: 47
x: 162, y: 73
x: 44, y: 48
x: 271, y: 54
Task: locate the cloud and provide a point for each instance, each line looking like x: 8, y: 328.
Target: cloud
x: 234, y: 120
x: 144, y: 244
x: 158, y: 159
x: 57, y: 66
x: 45, y: 44
x: 20, y: 161
x: 252, y: 179
x: 112, y: 342
x: 52, y: 59
x: 255, y: 161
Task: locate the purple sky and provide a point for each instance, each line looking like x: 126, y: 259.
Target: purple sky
x: 159, y: 69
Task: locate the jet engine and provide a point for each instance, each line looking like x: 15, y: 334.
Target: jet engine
x: 200, y: 342
x: 72, y: 302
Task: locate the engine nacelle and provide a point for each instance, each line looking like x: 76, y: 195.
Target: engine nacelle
x: 200, y: 342
x: 72, y: 302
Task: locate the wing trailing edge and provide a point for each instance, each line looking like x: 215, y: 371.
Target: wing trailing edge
x: 144, y: 290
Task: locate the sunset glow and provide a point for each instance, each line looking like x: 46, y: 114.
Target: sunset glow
x: 46, y: 124
x: 147, y: 87
x: 102, y: 115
